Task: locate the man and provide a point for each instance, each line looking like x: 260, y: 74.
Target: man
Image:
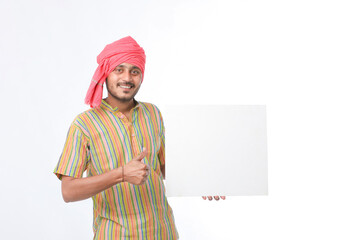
x: 120, y: 142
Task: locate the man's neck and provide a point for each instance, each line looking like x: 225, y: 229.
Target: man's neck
x: 123, y: 107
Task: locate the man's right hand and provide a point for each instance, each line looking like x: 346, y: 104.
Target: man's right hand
x: 75, y: 189
x: 136, y: 172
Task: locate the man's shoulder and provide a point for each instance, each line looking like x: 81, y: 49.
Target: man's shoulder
x: 84, y: 116
x: 85, y: 113
x: 149, y: 106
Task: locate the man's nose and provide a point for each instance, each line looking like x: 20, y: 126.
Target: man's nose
x: 126, y: 76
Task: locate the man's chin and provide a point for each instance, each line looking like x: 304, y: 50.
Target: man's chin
x: 124, y: 99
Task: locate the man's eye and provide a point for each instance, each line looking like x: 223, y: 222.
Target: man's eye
x: 135, y: 72
x: 118, y: 69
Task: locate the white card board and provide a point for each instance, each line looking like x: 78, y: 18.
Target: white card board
x: 215, y: 150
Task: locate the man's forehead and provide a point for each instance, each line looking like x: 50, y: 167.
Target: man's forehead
x: 127, y: 65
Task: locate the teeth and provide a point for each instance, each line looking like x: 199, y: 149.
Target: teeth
x: 125, y: 86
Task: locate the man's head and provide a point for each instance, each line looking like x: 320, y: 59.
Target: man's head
x: 125, y: 53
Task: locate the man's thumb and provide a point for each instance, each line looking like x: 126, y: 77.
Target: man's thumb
x: 141, y: 155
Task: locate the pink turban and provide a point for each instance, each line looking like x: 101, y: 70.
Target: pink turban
x: 121, y: 51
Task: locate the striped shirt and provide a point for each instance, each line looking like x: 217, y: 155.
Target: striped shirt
x: 101, y: 139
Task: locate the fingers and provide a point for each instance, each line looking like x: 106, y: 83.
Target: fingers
x: 143, y: 181
x: 217, y: 198
x: 147, y: 171
x: 138, y: 171
x: 146, y: 174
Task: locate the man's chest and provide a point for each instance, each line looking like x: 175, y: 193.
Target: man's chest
x: 114, y: 141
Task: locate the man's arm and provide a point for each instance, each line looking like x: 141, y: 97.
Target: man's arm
x: 162, y: 168
x: 75, y: 189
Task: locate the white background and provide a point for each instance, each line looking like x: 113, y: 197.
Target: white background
x: 299, y: 58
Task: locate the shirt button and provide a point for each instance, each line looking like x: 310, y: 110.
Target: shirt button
x: 122, y: 116
x: 133, y: 135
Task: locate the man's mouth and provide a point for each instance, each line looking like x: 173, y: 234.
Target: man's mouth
x: 126, y: 86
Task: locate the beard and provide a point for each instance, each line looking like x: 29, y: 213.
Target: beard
x: 113, y: 92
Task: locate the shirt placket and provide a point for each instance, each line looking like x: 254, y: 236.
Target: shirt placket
x: 131, y: 131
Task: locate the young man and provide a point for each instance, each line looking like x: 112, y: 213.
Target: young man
x: 120, y: 142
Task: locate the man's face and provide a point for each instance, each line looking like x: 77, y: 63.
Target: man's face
x: 124, y: 82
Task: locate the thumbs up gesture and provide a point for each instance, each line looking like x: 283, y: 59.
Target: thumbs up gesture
x: 136, y: 172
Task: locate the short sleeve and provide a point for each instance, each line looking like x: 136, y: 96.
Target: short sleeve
x: 75, y: 156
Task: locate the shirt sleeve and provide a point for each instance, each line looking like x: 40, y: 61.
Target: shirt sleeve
x: 161, y: 153
x: 75, y: 156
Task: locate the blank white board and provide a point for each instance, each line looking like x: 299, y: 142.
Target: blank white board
x: 215, y: 150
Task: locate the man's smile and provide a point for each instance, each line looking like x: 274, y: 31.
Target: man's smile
x: 125, y: 86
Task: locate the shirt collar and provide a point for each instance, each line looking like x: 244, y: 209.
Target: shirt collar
x: 107, y: 106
